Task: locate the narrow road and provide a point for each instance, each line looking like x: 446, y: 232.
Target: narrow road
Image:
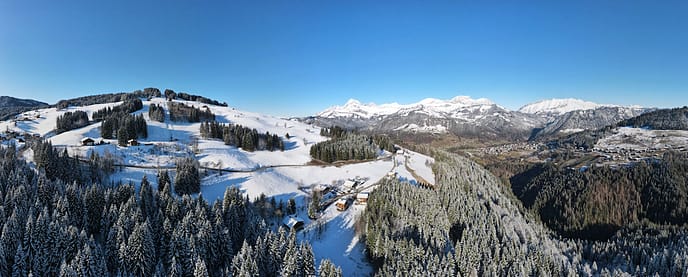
x: 418, y: 178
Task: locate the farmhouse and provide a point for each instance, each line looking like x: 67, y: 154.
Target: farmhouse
x: 342, y: 204
x: 87, y: 142
x: 322, y: 189
x: 132, y: 142
x: 293, y: 223
x: 349, y: 185
x: 362, y: 198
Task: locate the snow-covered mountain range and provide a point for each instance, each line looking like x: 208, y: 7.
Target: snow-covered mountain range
x: 465, y: 116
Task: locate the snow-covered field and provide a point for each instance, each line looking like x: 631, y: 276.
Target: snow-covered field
x: 644, y: 139
x: 282, y: 175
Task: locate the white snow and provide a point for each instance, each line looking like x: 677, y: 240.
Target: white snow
x: 643, y: 139
x: 430, y: 106
x: 412, y: 127
x: 559, y: 106
x: 282, y: 175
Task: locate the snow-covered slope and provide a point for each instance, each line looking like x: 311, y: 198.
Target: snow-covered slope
x: 279, y: 174
x: 559, y: 106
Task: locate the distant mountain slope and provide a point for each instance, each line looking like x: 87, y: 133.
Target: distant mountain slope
x: 558, y: 106
x: 666, y: 119
x: 461, y: 115
x: 8, y: 101
x: 10, y: 106
x: 479, y: 118
x: 580, y: 120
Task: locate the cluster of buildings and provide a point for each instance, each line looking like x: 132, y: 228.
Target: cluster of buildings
x: 618, y: 154
x: 497, y: 150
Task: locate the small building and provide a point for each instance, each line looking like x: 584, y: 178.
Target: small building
x: 362, y: 198
x: 322, y: 189
x: 293, y: 222
x: 392, y: 174
x: 87, y: 142
x: 132, y: 142
x: 342, y: 204
x: 349, y: 185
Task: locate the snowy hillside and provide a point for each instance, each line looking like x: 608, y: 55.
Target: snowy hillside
x: 279, y: 174
x: 559, y: 106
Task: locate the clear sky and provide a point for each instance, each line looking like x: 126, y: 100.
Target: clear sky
x: 298, y: 57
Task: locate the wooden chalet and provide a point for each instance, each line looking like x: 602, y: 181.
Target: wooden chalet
x: 87, y: 142
x: 293, y: 223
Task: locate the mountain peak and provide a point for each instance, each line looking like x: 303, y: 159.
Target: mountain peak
x: 352, y: 102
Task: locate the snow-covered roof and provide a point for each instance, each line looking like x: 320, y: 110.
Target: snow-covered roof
x: 362, y: 195
x: 349, y: 184
x: 86, y: 139
x: 293, y: 222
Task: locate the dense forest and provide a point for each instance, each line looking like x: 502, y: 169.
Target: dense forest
x: 472, y: 225
x: 595, y: 202
x: 128, y: 106
x: 188, y: 180
x: 242, y: 137
x: 124, y: 127
x: 50, y: 227
x: 170, y: 95
x: 182, y: 112
x: 348, y: 145
x: 70, y: 121
x: 108, y: 98
x: 156, y: 112
x: 666, y: 119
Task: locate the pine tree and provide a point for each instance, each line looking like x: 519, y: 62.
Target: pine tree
x: 200, y: 269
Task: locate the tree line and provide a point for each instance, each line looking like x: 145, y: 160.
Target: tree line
x: 108, y: 98
x: 124, y: 127
x: 156, y: 112
x: 128, y: 106
x: 348, y: 145
x: 50, y: 227
x: 171, y: 95
x: 70, y: 121
x: 182, y: 112
x: 241, y: 137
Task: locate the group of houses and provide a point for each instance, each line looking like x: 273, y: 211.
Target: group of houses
x: 17, y: 137
x: 92, y: 142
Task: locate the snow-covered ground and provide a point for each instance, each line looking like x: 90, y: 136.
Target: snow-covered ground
x: 644, y: 139
x: 282, y: 175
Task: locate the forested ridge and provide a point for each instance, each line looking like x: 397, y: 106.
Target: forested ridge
x: 472, y: 225
x: 348, y: 145
x: 665, y: 119
x: 182, y: 112
x: 79, y: 228
x: 595, y: 202
x: 242, y: 137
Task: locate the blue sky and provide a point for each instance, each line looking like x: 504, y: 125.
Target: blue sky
x: 299, y: 57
